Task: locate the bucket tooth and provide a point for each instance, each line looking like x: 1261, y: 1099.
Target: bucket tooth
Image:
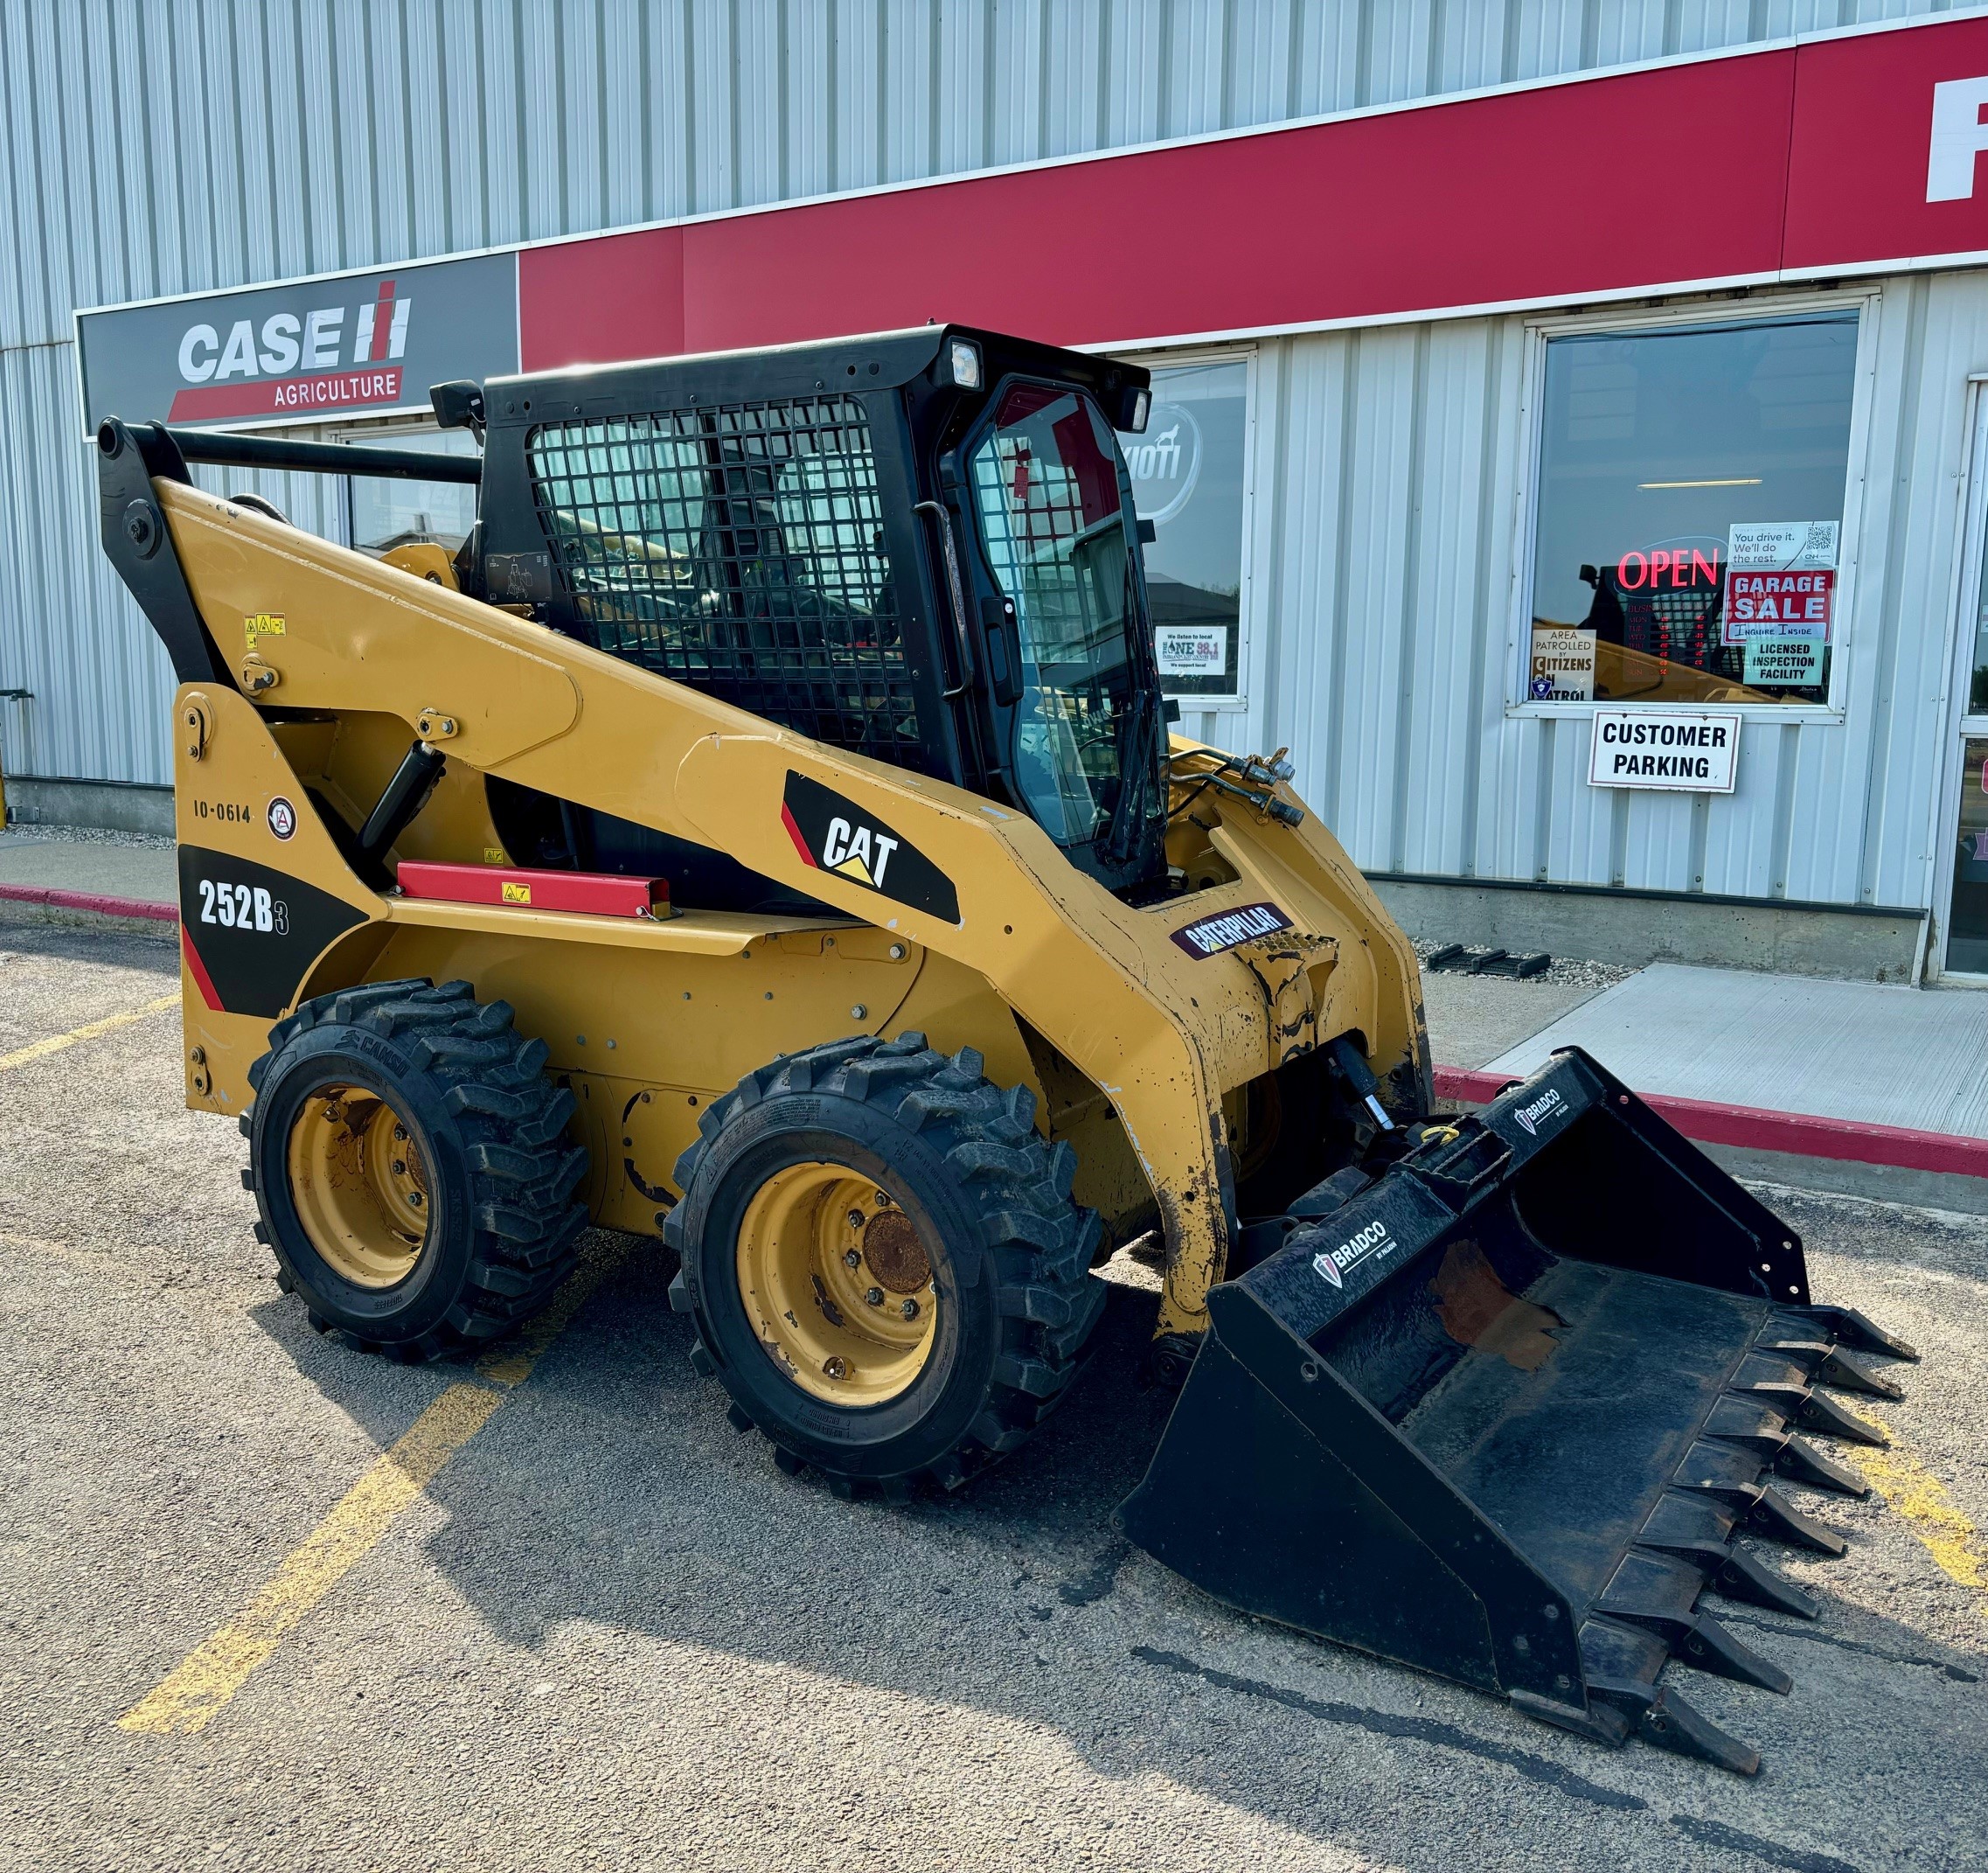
x: 1774, y: 1516
x: 1743, y: 1576
x: 1843, y: 1372
x: 1671, y: 1723
x: 1711, y: 1648
x: 1852, y: 1329
x: 1820, y: 1412
x: 1803, y: 1463
x: 1730, y: 1471
x: 1698, y: 1528
x: 1741, y: 1418
x: 1655, y: 1591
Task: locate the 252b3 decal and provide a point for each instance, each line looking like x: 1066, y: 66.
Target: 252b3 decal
x: 249, y: 932
x: 243, y: 908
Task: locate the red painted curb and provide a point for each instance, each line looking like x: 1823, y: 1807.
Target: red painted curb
x: 91, y: 901
x: 1802, y: 1133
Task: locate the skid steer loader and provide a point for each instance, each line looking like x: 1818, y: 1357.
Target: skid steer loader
x: 764, y: 832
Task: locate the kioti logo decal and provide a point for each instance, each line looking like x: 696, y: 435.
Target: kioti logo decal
x: 1213, y: 935
x: 834, y: 834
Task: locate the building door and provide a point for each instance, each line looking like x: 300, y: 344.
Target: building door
x: 1962, y: 876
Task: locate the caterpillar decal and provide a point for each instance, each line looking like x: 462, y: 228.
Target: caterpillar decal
x: 832, y: 833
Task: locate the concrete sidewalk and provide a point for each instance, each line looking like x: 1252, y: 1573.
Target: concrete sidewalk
x: 1916, y: 1058
x: 1874, y: 1091
x: 127, y: 865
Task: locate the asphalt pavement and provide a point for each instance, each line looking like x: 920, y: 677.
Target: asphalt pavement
x: 609, y: 1632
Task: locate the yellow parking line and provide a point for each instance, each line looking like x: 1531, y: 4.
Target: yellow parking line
x: 55, y: 1043
x: 213, y: 1672
x: 1922, y: 1499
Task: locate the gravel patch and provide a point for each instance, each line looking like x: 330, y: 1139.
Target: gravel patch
x: 84, y: 836
x: 1565, y: 971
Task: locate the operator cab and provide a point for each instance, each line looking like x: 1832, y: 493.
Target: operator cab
x: 918, y: 546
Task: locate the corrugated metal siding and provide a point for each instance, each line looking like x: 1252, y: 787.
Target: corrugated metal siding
x: 184, y: 145
x: 1382, y: 642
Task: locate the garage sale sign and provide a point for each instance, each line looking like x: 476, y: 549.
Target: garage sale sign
x: 1668, y: 749
x: 1778, y: 604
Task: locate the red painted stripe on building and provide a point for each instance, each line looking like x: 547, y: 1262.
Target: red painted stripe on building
x: 1799, y: 158
x: 94, y: 902
x: 1807, y: 1135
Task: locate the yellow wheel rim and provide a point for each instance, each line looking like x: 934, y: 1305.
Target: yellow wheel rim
x: 836, y: 1281
x: 360, y: 1185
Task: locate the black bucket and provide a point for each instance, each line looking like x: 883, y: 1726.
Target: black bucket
x: 1503, y: 1413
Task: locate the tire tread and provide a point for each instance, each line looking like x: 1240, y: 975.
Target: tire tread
x: 524, y: 1176
x: 1043, y: 1242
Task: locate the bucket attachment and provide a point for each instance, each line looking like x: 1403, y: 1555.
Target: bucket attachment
x: 1504, y: 1413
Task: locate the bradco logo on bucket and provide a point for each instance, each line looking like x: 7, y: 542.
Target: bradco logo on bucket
x: 1332, y: 1264
x: 1530, y: 1117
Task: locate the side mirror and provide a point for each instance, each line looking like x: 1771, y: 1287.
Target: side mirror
x: 458, y: 405
x: 1148, y: 532
x: 1170, y: 710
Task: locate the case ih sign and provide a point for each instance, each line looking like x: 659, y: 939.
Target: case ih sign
x: 355, y: 344
x: 1831, y: 155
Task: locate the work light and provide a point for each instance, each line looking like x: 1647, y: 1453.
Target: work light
x: 963, y: 359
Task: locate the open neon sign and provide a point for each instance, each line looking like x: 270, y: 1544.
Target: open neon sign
x: 1659, y: 569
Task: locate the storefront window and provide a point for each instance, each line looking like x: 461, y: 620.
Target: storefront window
x: 1689, y: 519
x: 1976, y: 700
x: 390, y: 514
x: 1967, y: 936
x: 1187, y: 479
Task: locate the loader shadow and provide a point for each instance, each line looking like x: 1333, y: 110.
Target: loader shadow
x: 610, y: 1492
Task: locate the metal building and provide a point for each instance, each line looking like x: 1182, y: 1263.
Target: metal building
x: 1424, y: 281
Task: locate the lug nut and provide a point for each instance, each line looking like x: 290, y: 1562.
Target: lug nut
x: 836, y: 1367
x: 852, y: 1258
x: 875, y: 1297
x: 399, y: 1166
x: 399, y: 1134
x: 856, y: 1219
x: 417, y: 1200
x: 883, y: 1200
x: 909, y: 1310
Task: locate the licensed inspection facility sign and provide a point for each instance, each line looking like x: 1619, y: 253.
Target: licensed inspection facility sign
x: 1676, y: 749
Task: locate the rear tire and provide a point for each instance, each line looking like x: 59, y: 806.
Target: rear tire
x: 409, y: 1161
x: 1007, y: 1252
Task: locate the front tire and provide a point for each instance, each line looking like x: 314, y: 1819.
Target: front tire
x: 410, y: 1161
x: 884, y: 1261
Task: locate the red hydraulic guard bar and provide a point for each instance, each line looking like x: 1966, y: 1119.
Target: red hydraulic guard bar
x: 599, y: 893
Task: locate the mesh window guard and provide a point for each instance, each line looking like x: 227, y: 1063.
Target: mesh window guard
x: 739, y: 549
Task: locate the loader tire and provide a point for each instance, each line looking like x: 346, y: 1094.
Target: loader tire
x: 409, y: 1161
x: 866, y: 1168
